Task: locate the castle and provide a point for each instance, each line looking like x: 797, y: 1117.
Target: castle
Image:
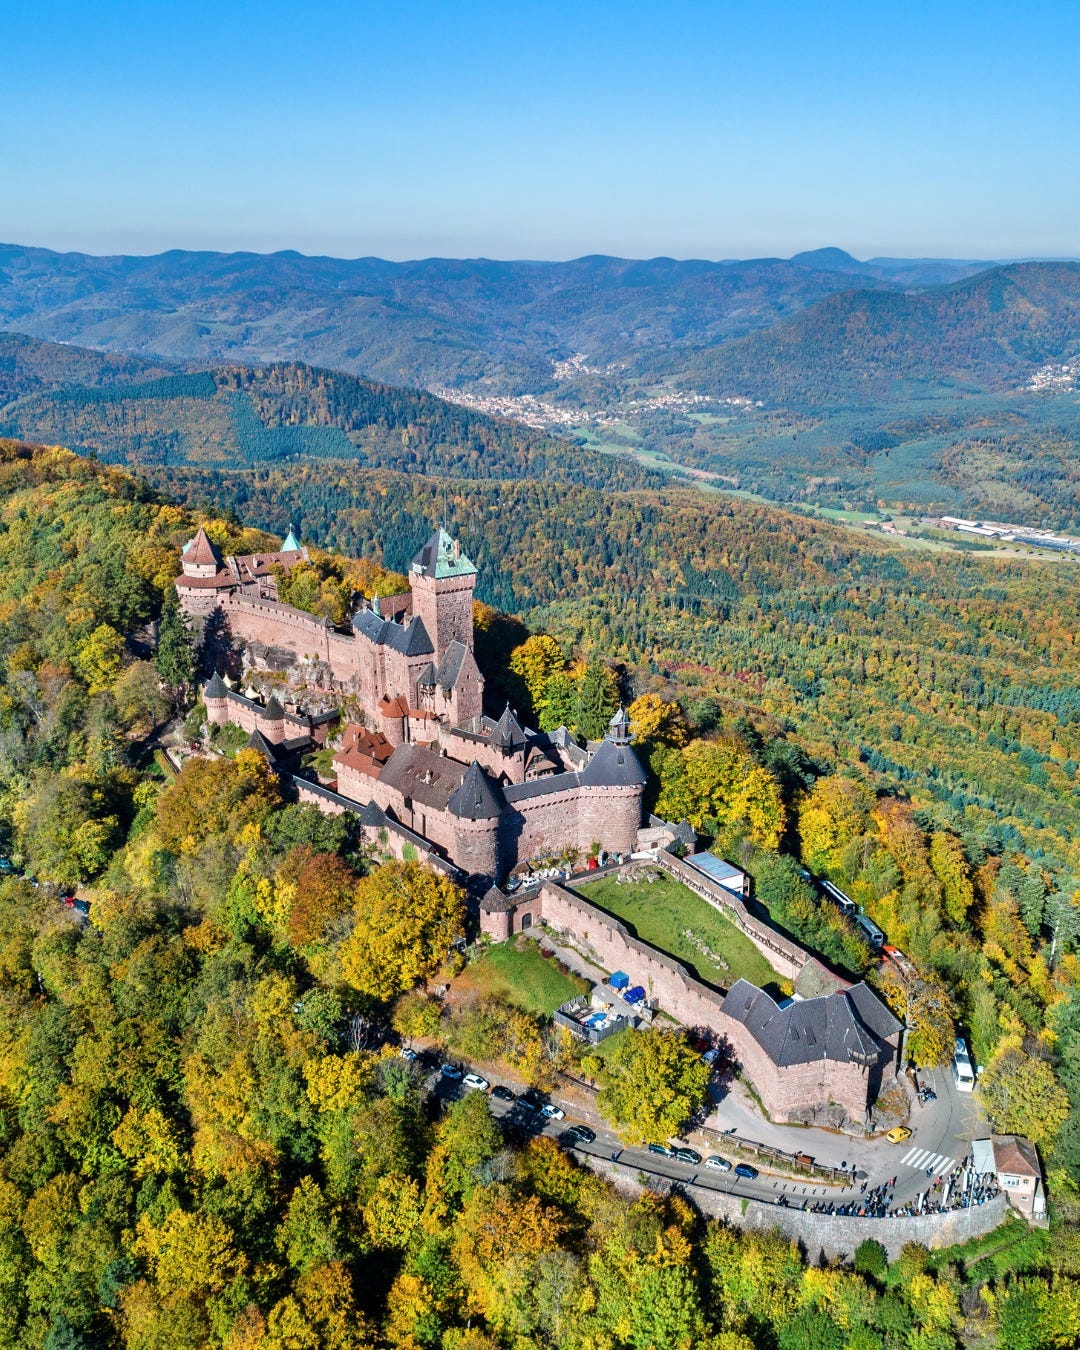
x: 428, y: 775
x: 422, y: 766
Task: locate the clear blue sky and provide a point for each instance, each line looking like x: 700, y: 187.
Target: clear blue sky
x: 542, y: 130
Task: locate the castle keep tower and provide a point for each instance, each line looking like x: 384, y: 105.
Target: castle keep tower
x: 442, y: 580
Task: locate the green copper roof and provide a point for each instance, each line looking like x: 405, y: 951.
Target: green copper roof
x: 442, y: 557
x: 290, y: 544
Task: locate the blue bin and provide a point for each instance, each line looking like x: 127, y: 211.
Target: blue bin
x: 619, y: 979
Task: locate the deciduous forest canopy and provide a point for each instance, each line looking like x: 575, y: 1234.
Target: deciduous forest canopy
x: 197, y: 1145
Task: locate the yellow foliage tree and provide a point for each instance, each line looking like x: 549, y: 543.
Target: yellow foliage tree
x: 835, y: 811
x: 336, y: 1082
x: 98, y: 658
x: 719, y: 784
x: 407, y: 915
x: 656, y: 722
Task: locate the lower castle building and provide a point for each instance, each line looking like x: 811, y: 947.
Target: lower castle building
x: 422, y: 758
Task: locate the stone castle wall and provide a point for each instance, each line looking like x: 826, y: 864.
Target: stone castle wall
x: 784, y: 1092
x: 575, y: 818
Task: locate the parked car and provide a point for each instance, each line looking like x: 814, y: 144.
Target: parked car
x: 474, y: 1081
x: 717, y: 1164
x: 581, y: 1134
x: 688, y: 1155
x: 451, y: 1071
x: 82, y: 907
x: 711, y: 1056
x: 552, y: 1112
x: 662, y: 1149
x: 503, y: 1093
x: 898, y: 1134
x: 407, y: 1052
x: 531, y: 1100
x: 745, y: 1171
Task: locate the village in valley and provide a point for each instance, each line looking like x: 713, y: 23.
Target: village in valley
x: 813, y: 1109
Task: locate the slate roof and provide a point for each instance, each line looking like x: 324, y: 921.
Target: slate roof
x: 200, y: 551
x: 450, y: 666
x: 477, y: 798
x: 411, y: 640
x: 215, y: 687
x: 621, y: 720
x: 804, y: 1030
x: 613, y: 766
x: 507, y: 730
x: 441, y: 557
x: 273, y: 710
x: 495, y: 901
x: 422, y: 774
x: 872, y: 1012
x: 541, y: 787
x: 257, y: 741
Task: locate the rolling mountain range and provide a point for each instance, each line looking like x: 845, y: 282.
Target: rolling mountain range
x: 988, y: 331
x: 892, y: 384
x: 498, y: 325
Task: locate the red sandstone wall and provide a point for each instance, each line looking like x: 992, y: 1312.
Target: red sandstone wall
x: 783, y: 1091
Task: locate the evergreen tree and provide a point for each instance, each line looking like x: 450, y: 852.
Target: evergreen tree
x: 597, y: 700
x: 175, y: 655
x: 559, y: 705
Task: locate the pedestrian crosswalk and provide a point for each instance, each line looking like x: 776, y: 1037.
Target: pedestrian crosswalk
x: 924, y: 1160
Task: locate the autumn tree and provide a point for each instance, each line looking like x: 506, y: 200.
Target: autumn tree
x: 717, y: 785
x: 406, y: 915
x: 1021, y: 1094
x: 535, y: 662
x: 653, y: 721
x: 99, y: 658
x: 215, y: 796
x: 652, y: 1083
x: 835, y: 811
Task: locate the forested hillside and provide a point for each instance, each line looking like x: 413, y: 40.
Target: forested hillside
x: 28, y: 366
x: 935, y: 664
x: 130, y: 414
x: 867, y: 347
x: 201, y: 1144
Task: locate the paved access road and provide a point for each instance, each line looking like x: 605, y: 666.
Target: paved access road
x: 875, y: 1161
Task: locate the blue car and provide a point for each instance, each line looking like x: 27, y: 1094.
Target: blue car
x: 745, y: 1171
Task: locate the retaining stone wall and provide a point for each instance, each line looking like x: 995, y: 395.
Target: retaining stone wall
x: 835, y: 1235
x: 783, y: 1091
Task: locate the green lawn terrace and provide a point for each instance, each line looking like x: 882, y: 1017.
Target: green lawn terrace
x: 669, y: 916
x: 518, y: 972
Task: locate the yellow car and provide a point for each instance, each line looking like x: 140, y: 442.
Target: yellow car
x: 898, y: 1134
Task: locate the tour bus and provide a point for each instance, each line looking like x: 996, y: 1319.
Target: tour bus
x: 870, y: 931
x: 963, y: 1071
x: 839, y: 899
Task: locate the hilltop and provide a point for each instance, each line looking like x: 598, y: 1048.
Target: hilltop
x: 986, y: 332
x: 210, y: 1138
